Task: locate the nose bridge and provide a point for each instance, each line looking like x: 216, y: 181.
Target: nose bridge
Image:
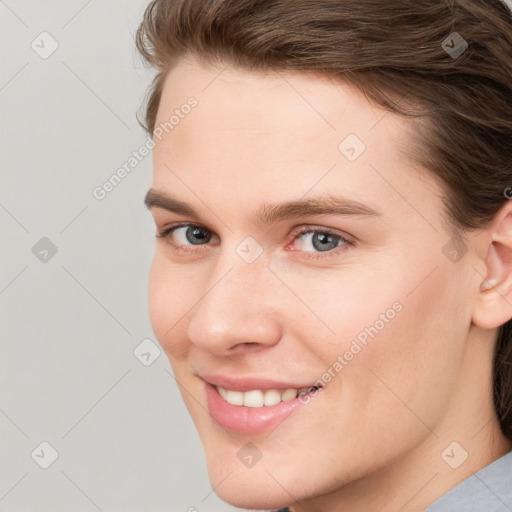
x: 238, y: 305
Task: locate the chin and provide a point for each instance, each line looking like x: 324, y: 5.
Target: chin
x: 276, y: 481
x: 244, y: 491
x: 260, y: 486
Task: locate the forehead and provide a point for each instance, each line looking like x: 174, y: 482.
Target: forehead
x: 280, y: 132
x: 273, y: 100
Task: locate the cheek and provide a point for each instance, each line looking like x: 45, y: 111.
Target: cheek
x: 399, y: 339
x: 409, y: 369
x: 169, y: 300
x: 342, y: 311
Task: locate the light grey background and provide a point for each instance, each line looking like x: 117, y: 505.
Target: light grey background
x: 71, y: 321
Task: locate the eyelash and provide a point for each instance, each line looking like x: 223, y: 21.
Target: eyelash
x: 345, y: 242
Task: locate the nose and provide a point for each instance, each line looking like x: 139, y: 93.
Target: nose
x: 239, y: 311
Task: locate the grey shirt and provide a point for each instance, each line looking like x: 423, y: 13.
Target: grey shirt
x: 487, y: 490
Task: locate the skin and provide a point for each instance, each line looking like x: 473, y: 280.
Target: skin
x: 421, y: 384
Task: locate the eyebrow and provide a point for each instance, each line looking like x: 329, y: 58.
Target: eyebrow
x: 326, y: 204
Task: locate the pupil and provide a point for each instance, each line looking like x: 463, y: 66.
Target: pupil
x: 324, y: 241
x: 197, y: 237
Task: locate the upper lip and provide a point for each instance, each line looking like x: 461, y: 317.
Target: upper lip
x: 250, y: 383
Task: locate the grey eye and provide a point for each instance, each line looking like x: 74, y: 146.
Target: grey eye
x: 191, y: 235
x: 319, y: 241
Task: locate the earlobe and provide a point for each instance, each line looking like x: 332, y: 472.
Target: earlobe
x: 494, y: 304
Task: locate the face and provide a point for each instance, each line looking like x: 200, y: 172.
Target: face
x: 300, y: 247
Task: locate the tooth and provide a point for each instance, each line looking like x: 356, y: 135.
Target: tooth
x: 259, y: 398
x: 288, y: 394
x: 253, y: 398
x: 305, y: 391
x: 235, y: 397
x: 272, y: 397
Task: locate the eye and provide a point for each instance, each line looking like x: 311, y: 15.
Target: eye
x: 186, y: 235
x: 308, y: 239
x: 318, y: 240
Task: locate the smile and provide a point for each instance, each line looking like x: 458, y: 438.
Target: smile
x: 254, y: 406
x: 261, y: 398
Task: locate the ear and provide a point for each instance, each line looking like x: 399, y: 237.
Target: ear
x: 494, y: 302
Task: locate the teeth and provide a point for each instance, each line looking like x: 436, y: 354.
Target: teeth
x: 259, y: 398
x: 254, y: 398
x: 234, y: 397
x: 288, y: 395
x: 272, y: 397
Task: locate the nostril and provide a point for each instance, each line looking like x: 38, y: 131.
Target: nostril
x: 250, y: 346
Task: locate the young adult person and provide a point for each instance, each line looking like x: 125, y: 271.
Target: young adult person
x: 332, y: 278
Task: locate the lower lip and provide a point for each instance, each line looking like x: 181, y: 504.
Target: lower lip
x: 248, y: 420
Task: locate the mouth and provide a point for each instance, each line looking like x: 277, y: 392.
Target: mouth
x: 256, y: 410
x: 263, y: 398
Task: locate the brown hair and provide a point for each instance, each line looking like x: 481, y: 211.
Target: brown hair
x: 398, y: 54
